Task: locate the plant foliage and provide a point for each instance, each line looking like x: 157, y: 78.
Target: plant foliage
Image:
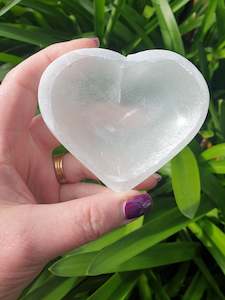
x: 178, y: 250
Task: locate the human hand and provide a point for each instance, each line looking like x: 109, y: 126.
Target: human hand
x: 39, y: 218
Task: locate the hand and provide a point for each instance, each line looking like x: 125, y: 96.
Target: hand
x: 40, y: 219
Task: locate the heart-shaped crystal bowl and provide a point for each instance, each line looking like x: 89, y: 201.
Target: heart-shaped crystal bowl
x: 123, y: 117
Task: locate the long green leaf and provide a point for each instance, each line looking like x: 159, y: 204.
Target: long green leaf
x: 209, y: 19
x: 157, y: 287
x: 108, y: 238
x: 159, y: 255
x: 10, y: 58
x: 8, y: 6
x: 212, y: 187
x: 144, y: 288
x: 135, y: 23
x: 40, y: 280
x: 220, y: 17
x: 177, y: 281
x: 196, y: 289
x: 213, y: 238
x: 54, y: 289
x: 168, y: 25
x: 186, y: 182
x: 192, y: 23
x: 209, y: 277
x: 4, y: 69
x: 99, y: 18
x: 222, y: 115
x: 165, y: 222
x: 152, y: 25
x: 117, y: 287
x: 28, y: 34
x: 204, y: 268
x: 115, y: 13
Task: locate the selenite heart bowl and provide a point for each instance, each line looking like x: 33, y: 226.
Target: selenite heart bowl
x: 123, y: 117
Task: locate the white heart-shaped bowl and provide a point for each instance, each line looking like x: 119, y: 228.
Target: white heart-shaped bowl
x: 123, y: 117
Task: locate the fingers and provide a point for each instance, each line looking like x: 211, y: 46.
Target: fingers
x: 18, y: 92
x: 40, y: 131
x: 61, y: 227
x: 74, y: 170
x: 79, y: 190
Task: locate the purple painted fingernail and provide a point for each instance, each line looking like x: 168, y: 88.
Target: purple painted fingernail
x: 137, y: 206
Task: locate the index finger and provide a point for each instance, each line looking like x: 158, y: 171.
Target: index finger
x: 18, y: 92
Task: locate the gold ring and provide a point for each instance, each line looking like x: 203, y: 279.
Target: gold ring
x: 58, y: 166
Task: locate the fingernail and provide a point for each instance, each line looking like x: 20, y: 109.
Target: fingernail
x: 137, y: 206
x: 96, y: 41
x: 157, y: 177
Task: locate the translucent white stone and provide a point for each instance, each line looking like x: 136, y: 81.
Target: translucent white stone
x: 123, y: 117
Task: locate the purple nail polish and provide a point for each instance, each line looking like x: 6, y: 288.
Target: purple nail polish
x: 137, y: 206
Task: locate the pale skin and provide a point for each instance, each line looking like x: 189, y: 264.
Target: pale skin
x: 39, y: 218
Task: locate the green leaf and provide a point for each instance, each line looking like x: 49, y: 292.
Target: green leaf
x: 165, y: 188
x: 204, y: 268
x: 191, y: 23
x: 220, y: 17
x: 53, y: 13
x: 144, y: 288
x: 136, y: 18
x: 4, y: 69
x: 157, y: 287
x: 212, y: 187
x: 29, y: 34
x: 115, y: 13
x: 203, y: 63
x: 168, y: 25
x: 206, y: 134
x: 108, y: 238
x: 135, y: 23
x: 209, y: 19
x: 99, y: 6
x: 8, y: 6
x: 10, y: 58
x: 177, y: 281
x: 196, y: 289
x: 186, y: 182
x: 162, y: 223
x: 152, y: 25
x: 40, y: 280
x: 217, y: 166
x: 222, y: 116
x: 209, y: 277
x: 117, y: 287
x: 159, y: 255
x: 217, y: 81
x: 217, y: 151
x: 213, y: 239
x: 54, y: 289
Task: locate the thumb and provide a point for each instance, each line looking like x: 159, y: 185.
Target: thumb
x: 57, y: 228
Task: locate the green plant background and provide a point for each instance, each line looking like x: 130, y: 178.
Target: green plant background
x: 178, y: 250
